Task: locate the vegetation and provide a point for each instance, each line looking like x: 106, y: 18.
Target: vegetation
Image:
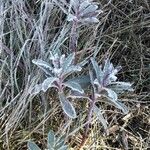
x: 57, y: 74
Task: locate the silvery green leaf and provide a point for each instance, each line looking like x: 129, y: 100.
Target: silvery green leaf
x: 33, y: 146
x: 75, y: 95
x: 120, y: 87
x: 96, y: 82
x: 71, y: 17
x: 62, y: 58
x: 74, y: 86
x: 67, y: 106
x: 72, y: 69
x: 89, y: 9
x: 111, y: 94
x: 47, y: 83
x: 100, y: 117
x: 84, y: 81
x: 51, y: 140
x: 46, y: 67
x: 106, y: 68
x: 42, y: 64
x: 83, y: 5
x: 98, y: 71
x: 57, y: 71
x: 67, y: 62
x: 36, y: 90
x: 60, y: 142
x: 112, y: 77
x: 89, y: 20
x: 115, y: 103
x: 64, y: 147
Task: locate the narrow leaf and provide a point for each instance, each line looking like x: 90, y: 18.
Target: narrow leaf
x: 84, y: 81
x: 98, y: 71
x: 42, y: 64
x: 120, y: 87
x: 74, y: 86
x: 48, y: 83
x: 33, y: 146
x: 117, y: 104
x: 89, y: 20
x: 111, y: 94
x: 83, y: 6
x: 89, y: 9
x: 64, y: 147
x: 51, y: 140
x: 67, y: 106
x: 36, y: 90
x: 72, y: 69
x: 67, y: 62
x: 100, y: 117
x: 75, y: 95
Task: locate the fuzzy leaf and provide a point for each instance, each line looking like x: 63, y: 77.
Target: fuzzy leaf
x: 37, y: 89
x: 67, y: 106
x: 75, y: 95
x: 71, y: 17
x: 100, y: 117
x: 33, y: 146
x: 51, y: 140
x: 120, y: 87
x: 46, y: 67
x: 90, y: 20
x: 83, y: 6
x: 74, y: 86
x: 72, y: 69
x: 48, y: 83
x: 64, y: 147
x: 67, y: 62
x: 111, y: 98
x: 98, y: 71
x: 89, y: 9
x: 84, y: 81
x: 111, y: 94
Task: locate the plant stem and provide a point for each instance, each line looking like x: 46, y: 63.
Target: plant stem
x: 89, y: 117
x: 73, y: 37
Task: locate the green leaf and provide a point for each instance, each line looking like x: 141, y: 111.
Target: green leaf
x: 64, y: 147
x: 111, y: 94
x: 120, y: 87
x: 67, y: 106
x: 89, y: 9
x: 33, y: 146
x: 112, y: 99
x: 84, y: 81
x: 67, y: 62
x: 72, y: 69
x: 47, y: 83
x: 51, y: 140
x: 100, y: 117
x: 74, y: 86
x: 98, y: 71
x: 46, y: 67
x: 42, y: 63
x: 36, y: 89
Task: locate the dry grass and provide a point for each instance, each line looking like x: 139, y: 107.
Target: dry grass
x: 31, y: 29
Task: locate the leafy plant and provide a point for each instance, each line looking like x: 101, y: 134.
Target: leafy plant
x: 81, y: 12
x: 58, y: 71
x: 53, y: 143
x: 103, y: 85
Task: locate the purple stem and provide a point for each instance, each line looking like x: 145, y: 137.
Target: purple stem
x: 73, y: 37
x: 89, y: 117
